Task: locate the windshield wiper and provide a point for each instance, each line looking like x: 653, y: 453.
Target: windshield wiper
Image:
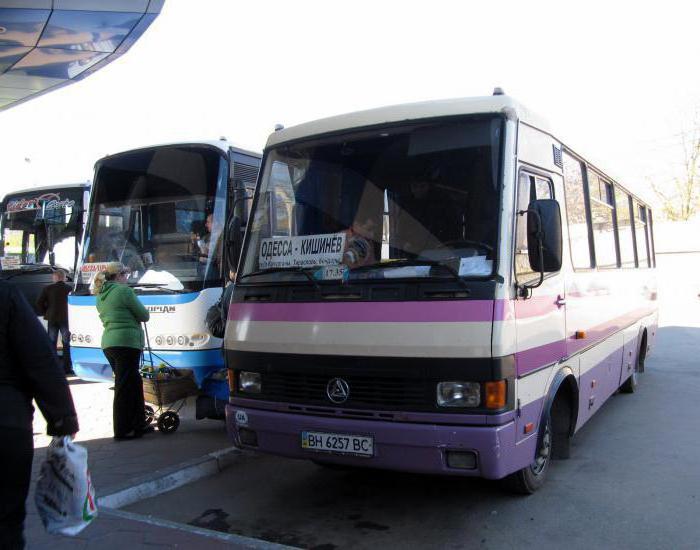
x: 293, y: 269
x: 408, y: 262
x: 158, y: 286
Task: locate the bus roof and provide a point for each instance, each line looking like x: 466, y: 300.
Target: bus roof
x: 221, y: 144
x: 410, y: 112
x: 45, y: 189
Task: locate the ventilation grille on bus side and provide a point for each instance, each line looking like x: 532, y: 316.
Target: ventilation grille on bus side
x: 557, y: 156
x: 245, y: 173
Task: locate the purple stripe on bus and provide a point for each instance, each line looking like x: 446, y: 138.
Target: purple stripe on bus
x: 536, y: 306
x: 529, y: 360
x: 534, y: 358
x: 366, y: 312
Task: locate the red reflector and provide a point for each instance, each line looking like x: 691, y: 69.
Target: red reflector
x: 529, y: 427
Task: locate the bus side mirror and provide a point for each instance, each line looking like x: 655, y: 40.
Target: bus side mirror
x: 544, y: 241
x: 234, y: 236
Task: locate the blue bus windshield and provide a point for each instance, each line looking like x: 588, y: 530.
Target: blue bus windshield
x: 160, y: 212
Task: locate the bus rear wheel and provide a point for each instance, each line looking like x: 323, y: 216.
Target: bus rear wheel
x: 630, y: 385
x: 532, y: 477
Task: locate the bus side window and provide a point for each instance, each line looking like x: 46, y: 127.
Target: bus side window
x: 576, y: 213
x: 530, y: 188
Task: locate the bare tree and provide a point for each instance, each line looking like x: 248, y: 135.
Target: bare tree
x: 681, y: 201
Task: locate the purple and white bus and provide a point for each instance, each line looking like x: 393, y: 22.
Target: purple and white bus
x: 441, y: 287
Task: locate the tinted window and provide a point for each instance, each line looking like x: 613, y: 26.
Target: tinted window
x: 417, y: 193
x: 603, y: 224
x: 650, y: 231
x: 530, y: 187
x: 624, y: 228
x: 640, y: 226
x: 576, y: 212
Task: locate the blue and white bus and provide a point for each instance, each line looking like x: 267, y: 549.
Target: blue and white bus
x: 161, y: 211
x: 40, y: 231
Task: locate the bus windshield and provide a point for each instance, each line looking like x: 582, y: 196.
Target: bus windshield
x: 396, y: 202
x: 160, y: 212
x: 38, y: 224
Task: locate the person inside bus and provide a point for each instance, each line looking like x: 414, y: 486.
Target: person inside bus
x: 361, y: 242
x: 121, y: 314
x: 29, y: 370
x: 52, y: 304
x: 208, y: 253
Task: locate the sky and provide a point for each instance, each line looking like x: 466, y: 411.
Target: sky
x: 618, y: 81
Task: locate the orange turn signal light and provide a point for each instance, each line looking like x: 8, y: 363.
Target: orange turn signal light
x: 580, y: 335
x: 495, y: 394
x: 231, y: 376
x: 529, y: 427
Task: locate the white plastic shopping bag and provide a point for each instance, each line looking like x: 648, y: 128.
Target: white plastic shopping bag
x: 65, y: 497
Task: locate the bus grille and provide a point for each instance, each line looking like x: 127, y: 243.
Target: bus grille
x: 365, y: 391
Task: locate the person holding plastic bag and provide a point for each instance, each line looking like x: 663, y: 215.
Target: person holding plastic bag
x: 121, y: 314
x: 29, y: 369
x: 64, y: 495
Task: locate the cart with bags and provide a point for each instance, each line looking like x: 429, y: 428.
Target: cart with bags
x: 167, y: 390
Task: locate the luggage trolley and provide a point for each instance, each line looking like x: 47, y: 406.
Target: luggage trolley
x: 166, y: 388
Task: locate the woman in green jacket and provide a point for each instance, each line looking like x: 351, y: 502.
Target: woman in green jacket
x: 121, y: 314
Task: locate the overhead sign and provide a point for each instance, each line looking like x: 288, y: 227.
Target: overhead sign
x: 49, y: 201
x: 302, y: 251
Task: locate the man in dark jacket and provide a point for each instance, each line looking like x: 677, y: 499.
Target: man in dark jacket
x: 29, y: 370
x: 52, y: 304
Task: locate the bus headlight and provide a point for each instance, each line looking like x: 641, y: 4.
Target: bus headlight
x: 458, y: 394
x: 250, y: 382
x: 160, y: 340
x: 182, y: 340
x: 198, y: 339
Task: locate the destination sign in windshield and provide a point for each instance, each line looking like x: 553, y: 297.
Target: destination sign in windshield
x: 307, y: 250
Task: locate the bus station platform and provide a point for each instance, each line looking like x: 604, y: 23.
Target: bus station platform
x: 125, y: 472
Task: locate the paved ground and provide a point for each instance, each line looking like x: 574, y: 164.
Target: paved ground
x: 115, y: 465
x: 633, y: 480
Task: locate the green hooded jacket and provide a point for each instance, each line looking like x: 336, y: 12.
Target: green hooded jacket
x: 121, y: 314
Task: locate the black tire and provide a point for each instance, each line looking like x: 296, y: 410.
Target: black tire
x: 150, y: 415
x: 532, y: 477
x: 168, y: 422
x: 630, y: 385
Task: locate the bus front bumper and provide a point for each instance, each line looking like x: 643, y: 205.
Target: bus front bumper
x: 401, y: 446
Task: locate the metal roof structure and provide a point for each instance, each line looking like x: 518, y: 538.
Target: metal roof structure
x: 47, y: 44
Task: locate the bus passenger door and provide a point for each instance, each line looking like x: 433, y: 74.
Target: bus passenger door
x: 540, y: 318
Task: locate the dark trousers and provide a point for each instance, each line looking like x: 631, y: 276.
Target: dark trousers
x: 129, y: 407
x: 54, y: 329
x: 16, y: 454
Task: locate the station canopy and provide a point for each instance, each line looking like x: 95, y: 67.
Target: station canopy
x: 46, y: 44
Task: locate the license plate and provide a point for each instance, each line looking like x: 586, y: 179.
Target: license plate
x: 358, y: 445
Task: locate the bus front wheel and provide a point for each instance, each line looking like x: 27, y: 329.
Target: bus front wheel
x: 532, y: 477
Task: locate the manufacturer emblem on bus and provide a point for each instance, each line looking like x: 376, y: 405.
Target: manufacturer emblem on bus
x: 338, y: 390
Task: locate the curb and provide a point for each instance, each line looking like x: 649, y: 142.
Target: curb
x: 229, y: 538
x: 168, y: 479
